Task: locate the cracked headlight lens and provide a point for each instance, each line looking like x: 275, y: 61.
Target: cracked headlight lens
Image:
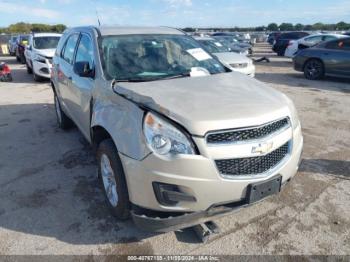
x: 164, y: 138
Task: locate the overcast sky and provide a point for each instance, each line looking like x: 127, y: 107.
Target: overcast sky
x: 177, y: 13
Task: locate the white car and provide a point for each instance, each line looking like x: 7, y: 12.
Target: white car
x: 235, y: 62
x: 308, y: 41
x: 39, y: 52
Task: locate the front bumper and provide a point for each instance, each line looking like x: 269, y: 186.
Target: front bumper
x: 163, y: 222
x: 42, y: 69
x: 198, y: 176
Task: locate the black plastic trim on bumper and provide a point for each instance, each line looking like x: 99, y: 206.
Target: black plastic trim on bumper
x: 172, y: 223
x: 175, y: 221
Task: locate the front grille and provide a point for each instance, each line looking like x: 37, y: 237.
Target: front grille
x: 248, y: 133
x: 252, y: 165
x: 239, y: 65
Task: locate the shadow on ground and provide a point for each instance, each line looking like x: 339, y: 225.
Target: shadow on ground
x: 326, y: 166
x: 54, y: 191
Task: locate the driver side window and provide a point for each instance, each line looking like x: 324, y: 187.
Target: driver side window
x: 85, y: 51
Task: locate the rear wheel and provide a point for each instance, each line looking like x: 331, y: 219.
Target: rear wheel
x: 314, y: 69
x: 22, y: 59
x: 280, y: 53
x: 112, y: 178
x: 63, y: 120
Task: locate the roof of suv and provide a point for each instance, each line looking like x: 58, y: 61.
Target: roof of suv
x: 130, y: 30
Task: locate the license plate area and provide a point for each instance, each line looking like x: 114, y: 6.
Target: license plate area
x: 260, y: 190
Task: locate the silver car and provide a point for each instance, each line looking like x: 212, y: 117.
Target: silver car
x: 179, y: 138
x: 236, y: 62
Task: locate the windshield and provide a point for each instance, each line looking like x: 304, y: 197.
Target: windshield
x: 45, y: 42
x: 23, y: 38
x: 154, y: 57
x: 214, y: 46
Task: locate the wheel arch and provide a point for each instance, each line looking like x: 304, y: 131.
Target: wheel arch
x: 122, y: 121
x: 98, y: 134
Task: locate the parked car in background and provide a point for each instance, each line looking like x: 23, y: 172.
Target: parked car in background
x: 329, y: 58
x: 180, y: 139
x: 12, y: 45
x: 39, y: 52
x: 309, y: 41
x: 284, y: 40
x: 236, y: 39
x: 259, y: 37
x: 234, y: 43
x: 272, y: 37
x: 235, y: 62
x: 233, y: 46
x: 21, y: 42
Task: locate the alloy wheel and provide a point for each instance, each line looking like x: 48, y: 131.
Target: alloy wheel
x: 109, y: 181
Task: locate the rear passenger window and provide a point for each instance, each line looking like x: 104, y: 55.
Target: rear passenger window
x: 68, y: 53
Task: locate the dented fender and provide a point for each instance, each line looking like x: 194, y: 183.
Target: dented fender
x: 123, y: 120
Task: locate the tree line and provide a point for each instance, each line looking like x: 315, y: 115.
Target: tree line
x: 22, y: 27
x: 341, y: 26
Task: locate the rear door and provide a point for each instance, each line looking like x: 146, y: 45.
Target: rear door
x: 65, y: 73
x: 337, y: 57
x: 80, y: 91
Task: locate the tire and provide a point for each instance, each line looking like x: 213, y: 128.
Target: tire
x: 108, y: 160
x: 63, y: 121
x: 29, y: 70
x: 314, y: 69
x: 37, y: 78
x: 22, y: 59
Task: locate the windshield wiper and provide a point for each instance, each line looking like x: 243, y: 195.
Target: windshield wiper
x: 187, y: 74
x: 135, y: 80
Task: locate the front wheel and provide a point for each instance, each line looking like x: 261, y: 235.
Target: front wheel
x: 29, y: 70
x: 36, y: 77
x: 111, y: 173
x: 314, y: 69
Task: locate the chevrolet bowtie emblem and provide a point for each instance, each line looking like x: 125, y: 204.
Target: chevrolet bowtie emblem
x: 262, y: 148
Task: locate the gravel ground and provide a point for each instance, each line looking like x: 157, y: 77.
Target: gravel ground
x: 51, y: 202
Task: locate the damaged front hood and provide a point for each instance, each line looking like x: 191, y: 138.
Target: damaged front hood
x: 215, y: 102
x: 46, y: 52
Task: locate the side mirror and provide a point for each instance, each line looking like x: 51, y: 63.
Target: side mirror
x: 83, y: 69
x: 29, y: 47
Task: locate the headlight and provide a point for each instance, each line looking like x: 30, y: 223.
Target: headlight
x: 40, y: 59
x: 293, y: 113
x: 163, y: 138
